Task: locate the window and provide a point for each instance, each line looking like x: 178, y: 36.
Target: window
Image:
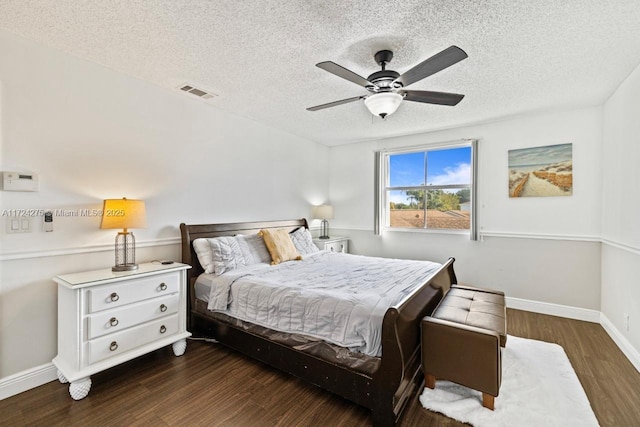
x: 427, y: 188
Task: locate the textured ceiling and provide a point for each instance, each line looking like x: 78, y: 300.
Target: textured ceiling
x: 260, y: 56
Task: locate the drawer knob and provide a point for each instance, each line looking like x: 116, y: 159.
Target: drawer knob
x: 163, y: 286
x: 114, y: 297
x: 163, y: 308
x: 113, y: 321
x: 113, y: 346
x: 163, y: 329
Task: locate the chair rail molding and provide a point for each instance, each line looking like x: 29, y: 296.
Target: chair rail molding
x: 83, y: 249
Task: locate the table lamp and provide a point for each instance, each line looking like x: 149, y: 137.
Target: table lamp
x: 125, y: 214
x: 323, y: 212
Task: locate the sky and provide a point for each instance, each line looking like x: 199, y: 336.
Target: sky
x: 540, y: 155
x: 447, y: 166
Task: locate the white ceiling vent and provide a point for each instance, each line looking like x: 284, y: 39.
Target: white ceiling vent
x: 200, y: 93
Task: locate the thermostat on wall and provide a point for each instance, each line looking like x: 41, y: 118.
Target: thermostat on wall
x: 20, y: 181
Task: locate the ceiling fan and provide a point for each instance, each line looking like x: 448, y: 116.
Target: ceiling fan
x: 386, y: 87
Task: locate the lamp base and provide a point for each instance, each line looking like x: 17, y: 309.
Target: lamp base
x: 124, y: 267
x: 324, y: 229
x: 125, y: 252
x: 323, y: 237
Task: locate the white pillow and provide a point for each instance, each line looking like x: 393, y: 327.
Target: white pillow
x: 253, y: 245
x: 303, y: 241
x: 226, y: 253
x: 204, y: 253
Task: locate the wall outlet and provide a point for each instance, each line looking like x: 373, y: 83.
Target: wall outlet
x: 626, y: 321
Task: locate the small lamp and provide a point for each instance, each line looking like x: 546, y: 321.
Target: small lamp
x: 124, y: 213
x: 323, y: 212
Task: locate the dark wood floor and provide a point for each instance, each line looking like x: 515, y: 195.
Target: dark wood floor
x: 211, y: 385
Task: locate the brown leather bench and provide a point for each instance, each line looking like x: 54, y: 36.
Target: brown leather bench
x: 461, y: 340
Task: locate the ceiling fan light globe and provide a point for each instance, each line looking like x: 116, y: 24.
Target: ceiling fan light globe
x: 383, y: 104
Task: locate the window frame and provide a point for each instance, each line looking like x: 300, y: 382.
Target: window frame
x: 383, y: 189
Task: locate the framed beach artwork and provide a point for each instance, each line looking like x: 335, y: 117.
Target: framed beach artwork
x: 541, y: 171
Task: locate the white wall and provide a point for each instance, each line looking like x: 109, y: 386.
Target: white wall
x: 621, y: 210
x: 92, y: 134
x: 541, y: 249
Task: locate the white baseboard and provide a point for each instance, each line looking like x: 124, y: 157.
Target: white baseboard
x: 577, y: 313
x: 624, y: 345
x: 26, y: 380
x: 569, y: 312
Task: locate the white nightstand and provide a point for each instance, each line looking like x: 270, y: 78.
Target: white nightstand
x: 334, y: 244
x: 106, y: 318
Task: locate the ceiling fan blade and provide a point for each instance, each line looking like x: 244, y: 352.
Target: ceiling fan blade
x: 438, y: 62
x: 440, y: 98
x: 340, y: 71
x: 334, y: 103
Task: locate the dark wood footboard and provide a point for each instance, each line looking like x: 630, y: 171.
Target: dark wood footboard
x: 400, y: 372
x: 386, y: 391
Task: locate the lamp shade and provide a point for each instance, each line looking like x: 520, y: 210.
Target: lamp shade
x: 123, y: 213
x: 384, y: 103
x: 323, y: 212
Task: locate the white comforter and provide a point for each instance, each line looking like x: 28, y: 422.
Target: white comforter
x: 336, y: 297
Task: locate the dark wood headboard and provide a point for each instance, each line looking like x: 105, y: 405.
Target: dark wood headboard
x: 192, y: 232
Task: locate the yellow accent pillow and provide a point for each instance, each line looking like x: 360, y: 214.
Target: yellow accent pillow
x: 280, y: 246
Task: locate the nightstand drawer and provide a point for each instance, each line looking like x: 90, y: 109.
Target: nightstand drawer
x: 333, y: 244
x: 121, y: 342
x: 340, y: 246
x: 106, y: 322
x: 111, y: 296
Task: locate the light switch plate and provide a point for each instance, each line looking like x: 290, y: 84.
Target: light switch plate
x: 18, y: 224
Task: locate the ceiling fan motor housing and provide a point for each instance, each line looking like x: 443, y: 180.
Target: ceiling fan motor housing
x: 384, y: 81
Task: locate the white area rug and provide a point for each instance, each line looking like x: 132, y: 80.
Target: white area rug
x: 539, y: 388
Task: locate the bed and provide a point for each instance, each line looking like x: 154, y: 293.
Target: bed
x: 383, y: 383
